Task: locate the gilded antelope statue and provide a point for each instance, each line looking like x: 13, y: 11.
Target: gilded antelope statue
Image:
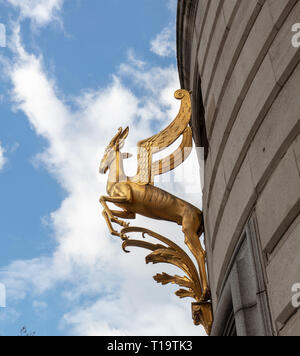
x: 139, y: 195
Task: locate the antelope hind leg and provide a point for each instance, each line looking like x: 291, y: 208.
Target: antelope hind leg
x: 190, y: 226
x: 193, y: 243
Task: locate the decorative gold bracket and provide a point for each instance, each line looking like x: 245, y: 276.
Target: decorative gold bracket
x: 202, y: 315
x: 176, y: 256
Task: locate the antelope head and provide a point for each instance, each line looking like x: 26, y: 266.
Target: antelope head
x: 115, y: 145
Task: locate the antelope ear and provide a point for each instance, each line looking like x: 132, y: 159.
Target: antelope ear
x: 126, y: 155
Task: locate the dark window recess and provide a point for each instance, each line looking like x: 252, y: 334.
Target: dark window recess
x: 198, y: 118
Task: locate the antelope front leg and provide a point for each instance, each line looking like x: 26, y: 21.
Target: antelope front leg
x: 110, y: 227
x: 103, y: 201
x: 123, y: 215
x: 112, y: 214
x: 122, y: 195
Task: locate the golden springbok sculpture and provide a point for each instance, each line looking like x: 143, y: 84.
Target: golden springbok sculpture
x: 139, y: 195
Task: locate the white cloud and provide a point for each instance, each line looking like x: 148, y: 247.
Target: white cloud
x: 164, y: 44
x: 145, y: 318
x: 172, y: 5
x: 86, y: 256
x: 133, y: 60
x: 2, y: 158
x: 41, y: 12
x: 39, y: 305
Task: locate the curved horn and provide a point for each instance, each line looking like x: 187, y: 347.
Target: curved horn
x: 121, y: 139
x: 124, y: 134
x: 114, y: 140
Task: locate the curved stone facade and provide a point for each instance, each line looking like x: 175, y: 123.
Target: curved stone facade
x: 237, y: 58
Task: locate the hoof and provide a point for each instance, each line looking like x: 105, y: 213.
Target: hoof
x: 206, y: 294
x: 125, y: 225
x: 124, y: 237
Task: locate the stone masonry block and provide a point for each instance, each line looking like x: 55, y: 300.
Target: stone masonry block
x: 297, y: 149
x: 275, y: 134
x: 212, y: 56
x: 236, y: 211
x: 283, y: 55
x: 255, y: 49
x: 217, y: 195
x: 237, y: 36
x: 279, y: 10
x: 228, y: 9
x: 293, y: 326
x: 254, y: 108
x: 200, y: 15
x: 207, y: 31
x: 279, y: 202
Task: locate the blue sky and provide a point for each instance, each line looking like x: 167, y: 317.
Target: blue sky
x: 73, y: 71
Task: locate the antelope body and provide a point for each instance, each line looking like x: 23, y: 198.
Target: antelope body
x: 149, y: 201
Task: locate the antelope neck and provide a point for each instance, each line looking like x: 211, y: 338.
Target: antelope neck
x: 116, y: 172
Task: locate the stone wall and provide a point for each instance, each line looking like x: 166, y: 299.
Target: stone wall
x: 238, y: 55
